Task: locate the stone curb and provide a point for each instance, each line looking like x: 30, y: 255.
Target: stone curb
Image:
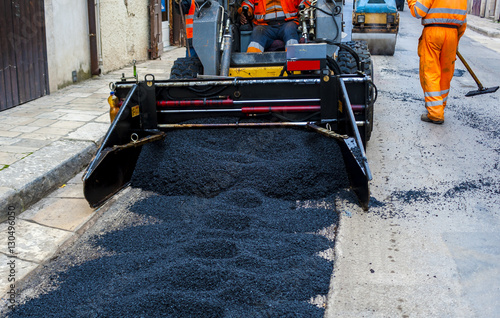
x: 28, y: 192
x: 493, y: 33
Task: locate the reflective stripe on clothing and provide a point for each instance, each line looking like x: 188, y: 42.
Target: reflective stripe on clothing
x: 435, y: 103
x: 433, y: 94
x: 254, y: 47
x: 452, y: 12
x: 265, y: 10
x: 271, y: 16
x: 275, y: 7
x: 422, y: 8
x: 442, y: 21
x: 276, y: 15
x: 249, y: 4
x: 189, y: 23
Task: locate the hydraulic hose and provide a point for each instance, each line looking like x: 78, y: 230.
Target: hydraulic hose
x: 333, y: 65
x: 353, y: 53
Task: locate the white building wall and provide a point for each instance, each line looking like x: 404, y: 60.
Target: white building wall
x: 124, y: 27
x: 67, y: 35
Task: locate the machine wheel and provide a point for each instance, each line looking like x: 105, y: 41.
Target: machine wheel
x: 347, y: 62
x: 186, y: 68
x: 348, y: 65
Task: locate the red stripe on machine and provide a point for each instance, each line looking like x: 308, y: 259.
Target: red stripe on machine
x: 199, y: 102
x: 303, y: 65
x: 358, y: 108
x: 269, y: 109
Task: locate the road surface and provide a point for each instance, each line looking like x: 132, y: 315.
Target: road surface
x: 431, y: 246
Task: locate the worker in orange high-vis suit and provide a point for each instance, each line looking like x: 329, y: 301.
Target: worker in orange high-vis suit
x: 273, y: 20
x: 444, y: 23
x: 188, y: 9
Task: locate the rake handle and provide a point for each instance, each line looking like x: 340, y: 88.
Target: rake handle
x: 479, y: 85
x: 184, y: 26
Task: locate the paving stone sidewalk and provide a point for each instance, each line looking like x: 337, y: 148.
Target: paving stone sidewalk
x: 44, y: 146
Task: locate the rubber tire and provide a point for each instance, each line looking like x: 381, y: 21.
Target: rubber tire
x: 186, y: 68
x: 347, y: 62
x: 348, y: 65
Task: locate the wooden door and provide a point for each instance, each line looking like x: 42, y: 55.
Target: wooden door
x: 23, y: 52
x: 177, y: 33
x: 476, y: 7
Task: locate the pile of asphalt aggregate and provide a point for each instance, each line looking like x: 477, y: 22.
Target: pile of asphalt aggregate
x: 230, y: 238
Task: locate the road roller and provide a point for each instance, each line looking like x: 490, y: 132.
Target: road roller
x: 377, y: 23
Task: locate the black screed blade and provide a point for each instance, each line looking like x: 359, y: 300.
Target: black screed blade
x: 482, y: 91
x: 110, y: 171
x: 357, y: 174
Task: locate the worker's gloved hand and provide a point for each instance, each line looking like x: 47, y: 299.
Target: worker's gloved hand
x: 245, y: 14
x: 243, y: 19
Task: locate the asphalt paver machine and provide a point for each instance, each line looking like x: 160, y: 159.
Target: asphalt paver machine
x: 322, y: 85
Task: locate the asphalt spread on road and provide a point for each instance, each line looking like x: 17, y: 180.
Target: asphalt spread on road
x: 235, y: 233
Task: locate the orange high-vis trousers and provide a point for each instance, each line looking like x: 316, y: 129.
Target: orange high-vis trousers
x: 437, y: 49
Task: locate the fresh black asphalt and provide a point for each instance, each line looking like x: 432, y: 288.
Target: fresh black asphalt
x: 231, y: 235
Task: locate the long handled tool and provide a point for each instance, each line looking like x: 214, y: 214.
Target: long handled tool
x: 481, y: 89
x: 184, y: 26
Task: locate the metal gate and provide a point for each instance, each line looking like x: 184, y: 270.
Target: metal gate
x: 23, y: 52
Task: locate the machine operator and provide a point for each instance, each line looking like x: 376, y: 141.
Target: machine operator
x: 273, y: 20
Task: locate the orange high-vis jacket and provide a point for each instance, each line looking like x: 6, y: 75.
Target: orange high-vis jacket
x: 189, y: 20
x: 452, y: 12
x: 262, y: 14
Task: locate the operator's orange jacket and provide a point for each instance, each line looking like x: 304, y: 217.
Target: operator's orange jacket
x: 265, y: 10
